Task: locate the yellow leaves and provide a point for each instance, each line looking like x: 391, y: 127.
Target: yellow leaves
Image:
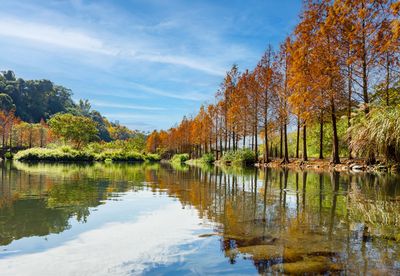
x: 362, y: 13
x: 396, y: 30
x: 395, y: 7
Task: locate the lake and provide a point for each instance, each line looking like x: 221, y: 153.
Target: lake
x: 129, y: 219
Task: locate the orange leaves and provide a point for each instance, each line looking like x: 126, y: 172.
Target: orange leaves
x: 331, y: 59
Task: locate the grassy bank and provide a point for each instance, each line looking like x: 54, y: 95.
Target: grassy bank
x: 68, y: 154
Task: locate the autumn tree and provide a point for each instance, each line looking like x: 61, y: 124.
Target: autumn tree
x: 282, y: 93
x: 264, y: 77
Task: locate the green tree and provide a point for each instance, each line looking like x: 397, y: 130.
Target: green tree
x: 78, y: 130
x: 6, y: 102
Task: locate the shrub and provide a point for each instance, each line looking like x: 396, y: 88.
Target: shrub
x: 66, y: 153
x: 152, y: 157
x: 8, y: 155
x: 180, y: 158
x: 208, y: 158
x: 243, y: 157
x: 41, y: 154
x: 377, y: 132
x: 120, y: 155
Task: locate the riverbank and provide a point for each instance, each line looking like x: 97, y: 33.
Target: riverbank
x: 354, y: 165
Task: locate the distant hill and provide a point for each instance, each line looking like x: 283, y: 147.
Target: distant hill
x: 34, y: 100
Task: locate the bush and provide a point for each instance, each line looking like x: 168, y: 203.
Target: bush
x: 8, y: 155
x: 378, y: 132
x: 152, y: 157
x: 243, y: 157
x: 41, y: 154
x: 66, y: 153
x: 208, y: 158
x: 180, y: 158
x: 120, y: 155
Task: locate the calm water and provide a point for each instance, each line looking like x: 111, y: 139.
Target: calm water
x: 124, y: 219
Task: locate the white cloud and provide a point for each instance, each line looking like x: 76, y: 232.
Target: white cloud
x: 119, y: 248
x: 143, y: 117
x: 183, y: 96
x: 125, y: 106
x: 77, y: 39
x: 183, y: 61
x: 48, y: 34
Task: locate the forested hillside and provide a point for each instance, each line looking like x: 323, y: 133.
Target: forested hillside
x: 35, y: 101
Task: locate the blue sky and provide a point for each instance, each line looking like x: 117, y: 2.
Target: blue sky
x: 145, y: 63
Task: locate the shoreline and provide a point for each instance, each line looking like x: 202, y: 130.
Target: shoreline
x: 346, y: 165
x: 319, y: 165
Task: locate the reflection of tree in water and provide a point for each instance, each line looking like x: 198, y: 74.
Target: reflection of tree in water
x: 39, y: 199
x: 283, y: 220
x: 76, y: 197
x: 31, y: 217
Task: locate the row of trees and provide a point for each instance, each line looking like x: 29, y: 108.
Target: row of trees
x: 75, y: 130
x: 341, y: 55
x: 16, y: 133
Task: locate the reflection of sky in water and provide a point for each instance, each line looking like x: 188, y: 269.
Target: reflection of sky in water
x: 141, y: 232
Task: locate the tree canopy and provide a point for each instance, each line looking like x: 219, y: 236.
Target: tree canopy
x: 78, y: 130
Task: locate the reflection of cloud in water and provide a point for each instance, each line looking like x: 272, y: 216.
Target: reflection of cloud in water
x: 115, y: 248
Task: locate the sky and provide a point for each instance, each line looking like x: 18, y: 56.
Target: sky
x: 143, y: 63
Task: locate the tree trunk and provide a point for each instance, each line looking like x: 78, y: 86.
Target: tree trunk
x: 286, y: 155
x: 252, y: 141
x: 335, y: 152
x: 256, y: 142
x: 233, y: 139
x: 298, y: 137
x: 305, y: 157
x: 220, y: 147
x: 281, y: 142
x: 350, y: 90
x: 321, y: 136
x: 271, y: 149
x: 387, y: 78
x: 365, y: 68
x: 266, y: 152
x: 229, y: 140
x: 3, y: 137
x: 11, y: 127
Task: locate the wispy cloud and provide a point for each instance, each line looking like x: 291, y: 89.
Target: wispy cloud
x: 74, y: 39
x: 193, y: 96
x: 125, y: 106
x: 58, y: 36
x: 133, y: 116
x: 183, y: 61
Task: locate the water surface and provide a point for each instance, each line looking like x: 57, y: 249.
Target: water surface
x: 128, y: 219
